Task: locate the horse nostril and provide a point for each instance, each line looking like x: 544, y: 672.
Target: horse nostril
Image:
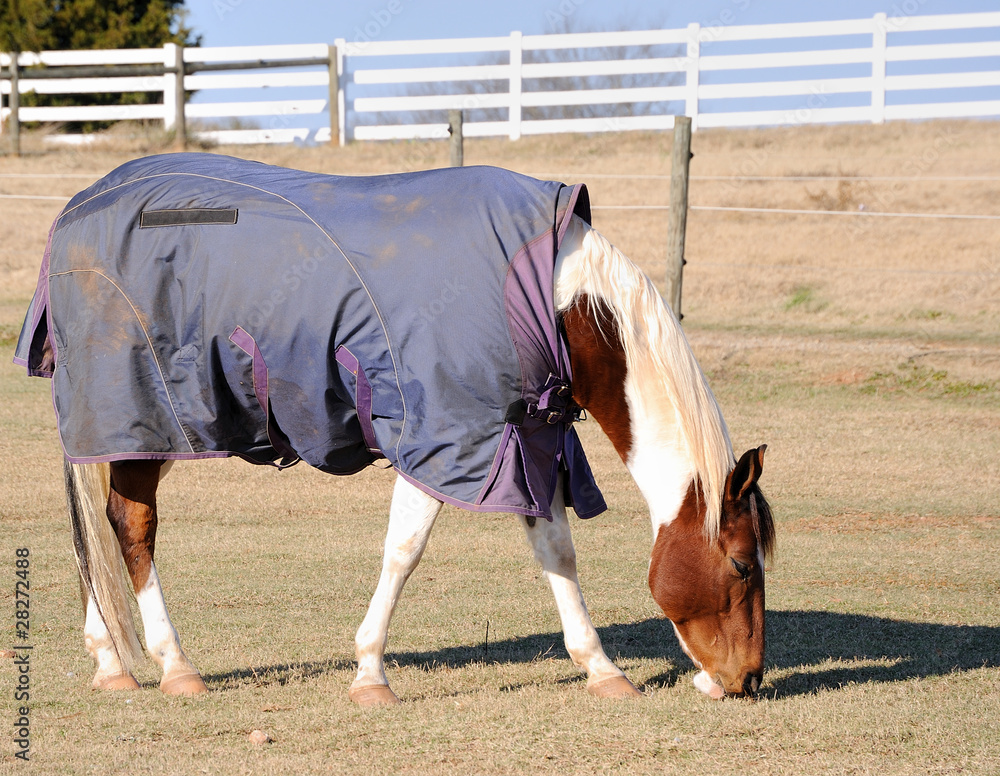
x: 751, y: 684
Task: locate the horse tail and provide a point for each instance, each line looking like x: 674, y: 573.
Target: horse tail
x: 99, y: 556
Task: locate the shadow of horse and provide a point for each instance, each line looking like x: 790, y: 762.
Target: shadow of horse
x: 800, y: 645
x: 888, y: 650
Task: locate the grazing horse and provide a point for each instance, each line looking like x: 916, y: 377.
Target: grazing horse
x: 454, y: 322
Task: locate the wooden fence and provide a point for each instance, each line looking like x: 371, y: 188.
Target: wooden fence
x: 700, y: 71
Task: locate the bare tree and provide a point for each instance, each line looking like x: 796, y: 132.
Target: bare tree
x: 572, y: 82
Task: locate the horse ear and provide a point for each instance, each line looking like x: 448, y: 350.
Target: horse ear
x: 746, y: 473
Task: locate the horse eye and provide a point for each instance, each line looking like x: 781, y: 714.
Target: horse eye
x: 741, y: 568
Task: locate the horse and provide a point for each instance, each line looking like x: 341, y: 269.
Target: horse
x: 615, y: 352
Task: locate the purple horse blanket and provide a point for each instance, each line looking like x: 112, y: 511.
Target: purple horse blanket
x: 196, y: 306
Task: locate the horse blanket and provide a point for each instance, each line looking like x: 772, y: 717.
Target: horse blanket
x: 196, y: 306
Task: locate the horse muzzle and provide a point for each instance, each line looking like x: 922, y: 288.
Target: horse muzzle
x: 751, y: 684
x: 715, y: 688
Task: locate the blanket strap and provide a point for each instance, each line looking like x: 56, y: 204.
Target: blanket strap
x: 555, y: 405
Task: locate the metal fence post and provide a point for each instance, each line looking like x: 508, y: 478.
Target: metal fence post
x: 677, y: 224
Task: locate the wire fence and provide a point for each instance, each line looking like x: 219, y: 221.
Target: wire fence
x: 701, y: 208
x: 861, y: 213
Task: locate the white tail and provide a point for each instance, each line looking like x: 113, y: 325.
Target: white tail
x: 99, y: 556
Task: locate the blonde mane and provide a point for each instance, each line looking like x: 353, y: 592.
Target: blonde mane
x: 657, y: 355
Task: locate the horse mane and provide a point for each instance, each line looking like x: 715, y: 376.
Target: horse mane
x: 657, y: 353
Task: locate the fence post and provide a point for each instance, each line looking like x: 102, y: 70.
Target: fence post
x: 15, y: 103
x: 514, y: 111
x: 173, y: 93
x: 879, y: 44
x: 181, y: 99
x: 2, y: 55
x: 692, y: 73
x: 679, y: 165
x: 334, y: 95
x: 457, y: 140
x: 340, y: 47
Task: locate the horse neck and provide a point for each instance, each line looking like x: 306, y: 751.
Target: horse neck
x: 627, y: 395
x: 659, y: 460
x: 644, y: 432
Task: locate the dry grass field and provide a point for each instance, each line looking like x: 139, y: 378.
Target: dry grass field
x: 863, y: 350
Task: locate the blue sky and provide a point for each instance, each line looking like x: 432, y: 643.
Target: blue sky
x: 256, y: 22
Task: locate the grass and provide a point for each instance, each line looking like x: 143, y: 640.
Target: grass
x: 915, y: 378
x: 801, y: 296
x: 862, y: 657
x: 877, y: 393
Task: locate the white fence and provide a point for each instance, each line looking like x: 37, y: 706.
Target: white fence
x: 157, y: 70
x: 863, y: 70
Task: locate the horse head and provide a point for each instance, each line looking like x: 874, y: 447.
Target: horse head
x: 712, y: 590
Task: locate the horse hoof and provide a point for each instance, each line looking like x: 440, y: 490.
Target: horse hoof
x: 373, y: 695
x: 116, y: 682
x: 185, y: 684
x: 613, y: 687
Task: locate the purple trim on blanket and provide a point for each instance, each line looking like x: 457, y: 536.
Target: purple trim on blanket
x: 362, y: 398
x: 241, y: 339
x: 41, y: 307
x: 474, y: 507
x: 245, y: 342
x: 497, y: 463
x: 535, y: 333
x: 509, y: 451
x: 578, y: 204
x: 112, y: 457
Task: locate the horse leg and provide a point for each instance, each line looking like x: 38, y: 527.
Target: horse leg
x: 111, y: 674
x: 553, y: 548
x: 411, y: 518
x: 132, y: 512
x: 109, y: 632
